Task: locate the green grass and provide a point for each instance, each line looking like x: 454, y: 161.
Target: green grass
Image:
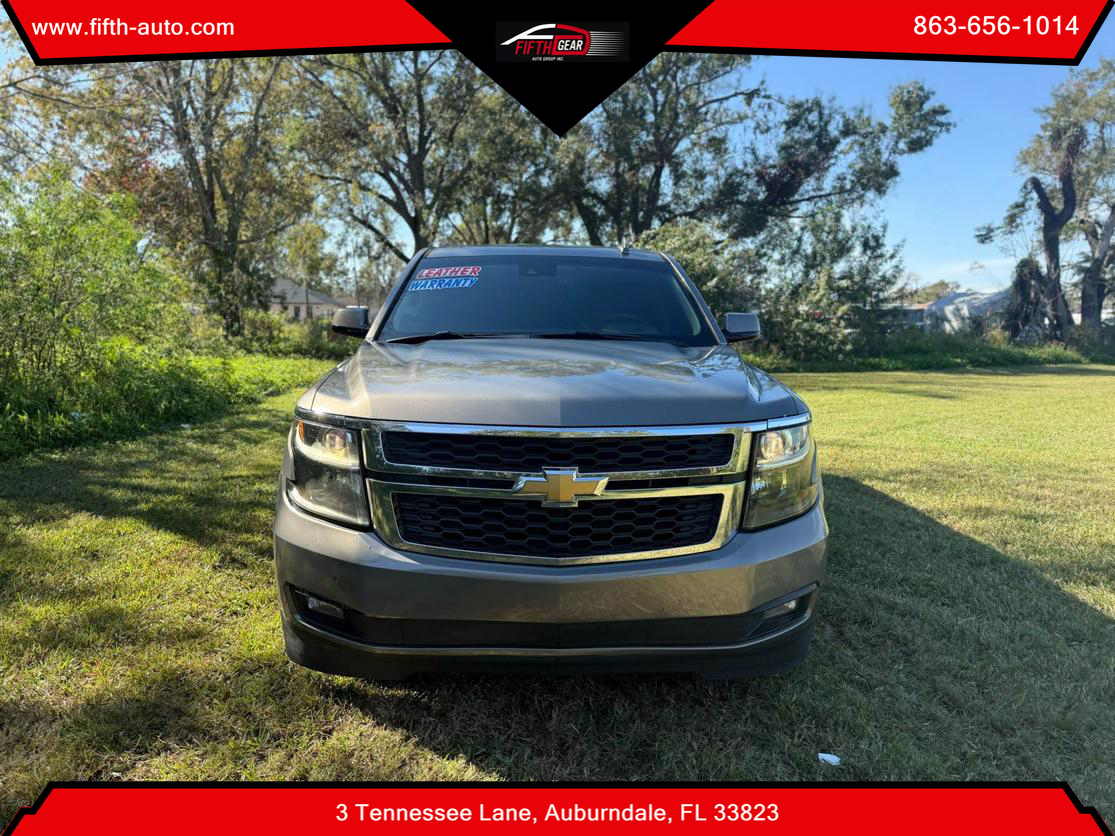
x: 967, y: 629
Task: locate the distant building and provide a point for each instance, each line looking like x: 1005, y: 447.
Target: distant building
x: 293, y: 301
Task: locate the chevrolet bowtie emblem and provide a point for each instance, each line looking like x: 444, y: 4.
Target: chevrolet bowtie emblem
x: 560, y: 487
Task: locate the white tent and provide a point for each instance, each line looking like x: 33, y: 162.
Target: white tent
x: 966, y: 309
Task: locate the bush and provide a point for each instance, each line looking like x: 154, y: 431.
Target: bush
x: 130, y: 389
x: 95, y: 333
x: 73, y: 271
x: 915, y: 349
x: 1099, y: 345
x: 272, y: 334
x: 821, y: 286
x: 717, y: 267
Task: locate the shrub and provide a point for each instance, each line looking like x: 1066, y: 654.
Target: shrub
x: 271, y: 333
x: 1099, y: 345
x: 914, y: 349
x: 73, y: 272
x: 95, y: 335
x: 820, y: 286
x: 129, y: 389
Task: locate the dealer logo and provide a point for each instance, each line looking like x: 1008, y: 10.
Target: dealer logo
x: 547, y: 42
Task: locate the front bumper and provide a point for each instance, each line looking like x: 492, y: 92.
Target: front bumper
x: 407, y: 603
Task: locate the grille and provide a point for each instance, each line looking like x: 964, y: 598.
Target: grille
x: 525, y: 527
x: 590, y: 455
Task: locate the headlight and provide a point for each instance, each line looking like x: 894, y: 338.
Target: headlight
x: 328, y: 479
x: 784, y: 482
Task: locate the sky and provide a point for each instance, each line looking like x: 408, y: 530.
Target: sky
x: 968, y: 177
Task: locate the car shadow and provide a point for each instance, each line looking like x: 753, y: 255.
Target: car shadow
x: 923, y: 634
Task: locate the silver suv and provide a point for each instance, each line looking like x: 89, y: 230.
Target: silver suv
x: 548, y: 459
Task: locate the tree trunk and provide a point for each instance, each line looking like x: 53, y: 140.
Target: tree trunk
x: 1093, y: 286
x: 1091, y: 297
x: 1059, y: 322
x: 1025, y: 305
x: 1059, y: 318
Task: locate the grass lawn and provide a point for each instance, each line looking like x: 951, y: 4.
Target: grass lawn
x: 967, y: 630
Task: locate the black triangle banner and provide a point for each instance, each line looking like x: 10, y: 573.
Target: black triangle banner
x: 559, y: 67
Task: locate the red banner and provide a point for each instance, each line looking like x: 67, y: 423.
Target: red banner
x: 1051, y: 31
x: 1057, y: 31
x: 181, y: 809
x: 65, y: 30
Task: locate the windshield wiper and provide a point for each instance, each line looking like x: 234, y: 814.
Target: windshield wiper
x: 452, y: 335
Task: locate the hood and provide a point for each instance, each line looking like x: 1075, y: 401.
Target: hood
x: 551, y: 383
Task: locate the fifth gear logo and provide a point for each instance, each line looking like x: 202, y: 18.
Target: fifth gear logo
x: 547, y: 42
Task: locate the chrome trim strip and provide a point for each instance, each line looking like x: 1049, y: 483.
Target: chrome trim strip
x: 352, y: 422
x: 791, y: 421
x: 386, y: 526
x: 570, y: 652
x: 376, y: 459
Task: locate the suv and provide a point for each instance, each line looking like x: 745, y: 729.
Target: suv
x: 548, y: 459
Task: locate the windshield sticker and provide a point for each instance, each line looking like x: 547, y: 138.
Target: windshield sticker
x: 444, y: 278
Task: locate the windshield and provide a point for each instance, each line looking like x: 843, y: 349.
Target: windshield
x: 551, y: 295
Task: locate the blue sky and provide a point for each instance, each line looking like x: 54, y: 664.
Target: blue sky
x: 968, y: 177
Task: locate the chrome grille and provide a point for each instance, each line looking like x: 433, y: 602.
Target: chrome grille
x: 437, y: 489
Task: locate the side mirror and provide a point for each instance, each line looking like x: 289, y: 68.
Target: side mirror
x: 740, y: 327
x: 352, y: 321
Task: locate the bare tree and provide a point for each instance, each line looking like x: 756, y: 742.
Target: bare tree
x: 386, y: 131
x: 650, y: 149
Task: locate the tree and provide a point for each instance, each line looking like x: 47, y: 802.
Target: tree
x: 727, y: 278
x: 202, y: 145
x: 387, y: 131
x: 689, y: 155
x: 826, y: 279
x: 808, y: 156
x: 689, y: 138
x: 1053, y: 317
x: 1070, y: 182
x: 1026, y: 301
x: 13, y: 135
x: 411, y: 149
x: 819, y: 284
x: 511, y: 192
x: 1083, y: 112
x: 307, y: 258
x: 647, y: 153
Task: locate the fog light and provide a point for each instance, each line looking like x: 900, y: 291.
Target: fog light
x: 324, y: 607
x: 781, y: 609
